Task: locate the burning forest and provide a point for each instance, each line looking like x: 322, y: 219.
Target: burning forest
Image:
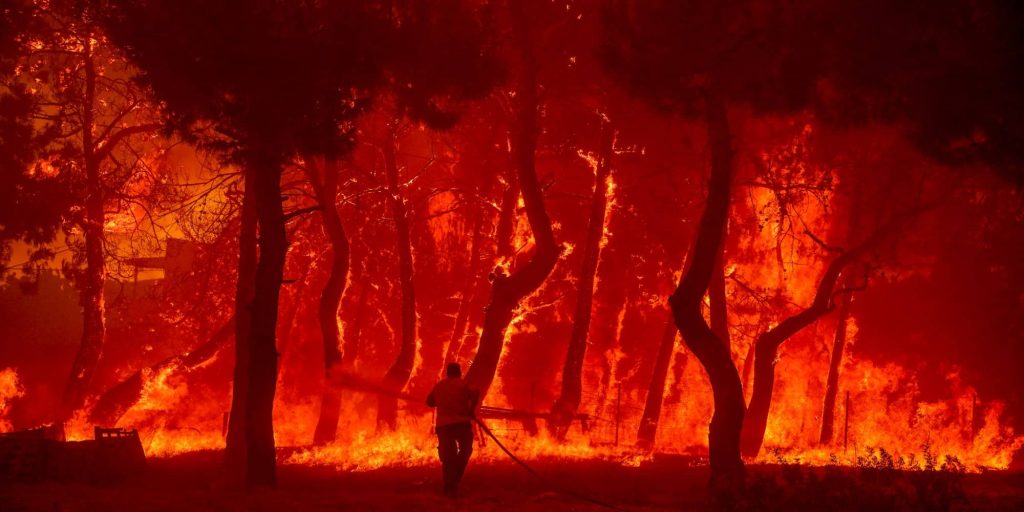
x: 283, y: 254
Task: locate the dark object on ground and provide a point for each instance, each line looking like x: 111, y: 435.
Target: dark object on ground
x: 42, y: 455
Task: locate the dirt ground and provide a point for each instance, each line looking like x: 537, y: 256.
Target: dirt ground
x: 192, y: 482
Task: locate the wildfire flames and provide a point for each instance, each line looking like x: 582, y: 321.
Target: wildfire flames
x: 494, y: 216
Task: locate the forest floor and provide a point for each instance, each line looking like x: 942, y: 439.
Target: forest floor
x: 193, y: 482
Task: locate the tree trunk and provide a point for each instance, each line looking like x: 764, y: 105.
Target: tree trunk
x: 93, y: 312
x: 503, y: 251
x: 686, y: 302
x: 466, y: 300
x: 117, y: 400
x: 91, y: 298
x: 832, y: 383
x: 572, y: 372
x: 839, y: 341
x: 647, y: 431
x: 262, y: 376
x: 235, y: 451
x: 719, y: 305
x: 398, y: 375
x: 767, y: 345
x: 507, y: 218
x: 508, y: 291
x: 645, y: 434
x: 326, y: 187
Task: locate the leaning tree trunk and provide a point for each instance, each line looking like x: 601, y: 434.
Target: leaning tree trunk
x: 727, y: 421
x: 117, y: 400
x: 651, y: 416
x: 508, y: 291
x: 261, y: 384
x: 645, y: 434
x: 235, y: 451
x: 766, y: 347
x: 832, y: 383
x: 572, y: 372
x: 398, y: 375
x: 326, y: 188
x: 839, y: 341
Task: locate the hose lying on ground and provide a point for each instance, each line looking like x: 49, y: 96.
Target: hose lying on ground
x: 357, y: 383
x: 554, y: 487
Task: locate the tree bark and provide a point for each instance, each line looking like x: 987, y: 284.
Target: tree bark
x: 507, y: 218
x: 836, y: 359
x: 92, y: 297
x: 235, y: 451
x: 261, y: 384
x: 648, y: 429
x: 719, y: 306
x: 686, y: 301
x: 839, y: 341
x: 326, y: 188
x: 568, y: 401
x: 398, y: 375
x: 508, y: 291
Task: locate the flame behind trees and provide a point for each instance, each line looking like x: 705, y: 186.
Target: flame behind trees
x: 326, y: 61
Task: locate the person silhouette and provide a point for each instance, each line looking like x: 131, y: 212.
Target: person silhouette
x: 456, y: 404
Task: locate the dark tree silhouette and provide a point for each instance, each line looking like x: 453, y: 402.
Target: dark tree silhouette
x: 276, y: 80
x: 91, y: 116
x: 699, y: 57
x: 323, y: 175
x: 508, y: 291
x: 568, y: 401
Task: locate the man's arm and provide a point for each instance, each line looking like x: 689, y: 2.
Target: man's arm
x: 430, y: 399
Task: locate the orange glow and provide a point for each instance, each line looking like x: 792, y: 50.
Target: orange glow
x: 10, y: 389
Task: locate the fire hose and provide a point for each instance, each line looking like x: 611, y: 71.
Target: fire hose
x: 352, y: 381
x: 549, y: 483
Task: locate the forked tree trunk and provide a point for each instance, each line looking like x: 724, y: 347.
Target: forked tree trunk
x: 235, y: 451
x: 326, y: 187
x: 727, y: 421
x: 568, y: 401
x: 265, y: 175
x: 508, y: 291
x: 398, y: 375
x: 766, y: 347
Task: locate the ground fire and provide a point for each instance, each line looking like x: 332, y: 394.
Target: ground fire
x: 630, y: 255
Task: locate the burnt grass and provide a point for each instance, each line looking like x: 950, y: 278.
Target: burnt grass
x: 194, y: 482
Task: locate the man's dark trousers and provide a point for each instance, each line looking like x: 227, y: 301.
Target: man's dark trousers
x: 454, y: 446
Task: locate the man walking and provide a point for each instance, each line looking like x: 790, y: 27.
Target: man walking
x: 456, y: 406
